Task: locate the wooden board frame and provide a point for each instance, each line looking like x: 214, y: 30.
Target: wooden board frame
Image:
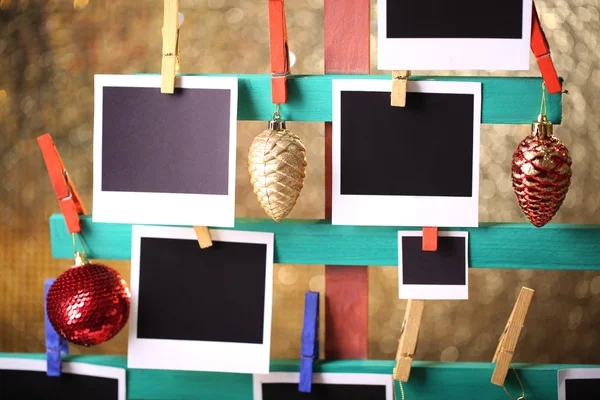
x: 505, y: 100
x: 492, y: 245
x: 429, y: 380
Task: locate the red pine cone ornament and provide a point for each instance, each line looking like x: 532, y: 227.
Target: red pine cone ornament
x: 88, y: 304
x: 541, y: 173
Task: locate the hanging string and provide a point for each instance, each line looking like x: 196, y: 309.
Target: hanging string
x: 520, y: 384
x: 277, y: 113
x: 394, y: 389
x: 543, y: 105
x: 79, y: 256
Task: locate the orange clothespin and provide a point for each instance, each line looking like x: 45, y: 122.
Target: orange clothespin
x: 399, y: 85
x: 280, y: 56
x: 170, y: 39
x: 430, y: 238
x: 541, y: 50
x: 68, y: 198
x: 510, y: 336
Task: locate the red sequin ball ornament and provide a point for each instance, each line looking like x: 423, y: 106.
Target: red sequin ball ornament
x: 541, y: 173
x: 88, y: 304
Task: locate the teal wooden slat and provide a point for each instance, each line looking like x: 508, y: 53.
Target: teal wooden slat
x: 505, y: 100
x: 428, y: 380
x: 567, y: 247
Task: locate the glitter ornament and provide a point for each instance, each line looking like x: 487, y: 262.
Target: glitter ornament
x: 89, y: 303
x: 541, y: 173
x: 277, y: 167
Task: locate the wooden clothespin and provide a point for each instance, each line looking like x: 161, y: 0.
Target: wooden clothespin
x: 430, y: 238
x: 68, y: 198
x: 170, y: 37
x: 510, y: 336
x: 407, y: 345
x: 280, y: 56
x: 399, y: 82
x: 541, y: 50
x: 203, y: 236
x: 170, y: 68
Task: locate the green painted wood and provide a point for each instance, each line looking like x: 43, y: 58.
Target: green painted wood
x: 505, y: 100
x: 567, y: 247
x: 428, y: 380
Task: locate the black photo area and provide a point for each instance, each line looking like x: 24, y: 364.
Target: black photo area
x: 423, y: 149
x: 152, y: 142
x: 16, y: 384
x: 289, y: 391
x: 188, y: 293
x: 582, y: 389
x: 454, y: 19
x: 446, y: 266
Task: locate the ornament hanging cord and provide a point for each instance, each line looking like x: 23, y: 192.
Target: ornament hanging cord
x: 543, y: 105
x: 80, y: 257
x: 394, y: 387
x: 520, y: 384
x: 277, y: 114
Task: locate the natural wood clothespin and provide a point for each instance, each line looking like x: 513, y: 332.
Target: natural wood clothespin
x: 430, y: 238
x: 510, y: 336
x: 203, y: 236
x: 170, y: 56
x: 408, y: 339
x: 280, y: 56
x: 170, y: 67
x: 399, y: 82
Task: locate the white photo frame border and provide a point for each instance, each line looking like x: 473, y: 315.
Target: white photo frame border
x: 380, y: 210
x: 574, y: 373
x: 149, y: 208
x: 452, y: 54
x: 328, y: 378
x: 192, y: 355
x: 70, y: 367
x: 433, y: 292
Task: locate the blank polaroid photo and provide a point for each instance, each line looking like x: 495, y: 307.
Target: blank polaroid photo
x: 579, y: 384
x: 200, y: 309
x: 26, y: 379
x: 330, y: 386
x: 406, y: 166
x: 433, y: 275
x: 166, y: 159
x: 453, y: 35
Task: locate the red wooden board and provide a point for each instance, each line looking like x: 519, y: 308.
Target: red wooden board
x: 346, y: 312
x: 347, y: 51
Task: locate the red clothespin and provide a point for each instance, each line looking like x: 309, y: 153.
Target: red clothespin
x: 541, y: 50
x: 280, y: 57
x: 430, y: 238
x: 68, y: 198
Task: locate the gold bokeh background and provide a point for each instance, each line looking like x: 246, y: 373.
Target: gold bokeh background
x: 49, y: 53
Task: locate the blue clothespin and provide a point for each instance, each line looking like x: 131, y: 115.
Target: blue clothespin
x: 310, y: 341
x: 55, y: 345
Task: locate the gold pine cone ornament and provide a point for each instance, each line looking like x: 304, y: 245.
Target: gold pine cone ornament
x: 277, y: 167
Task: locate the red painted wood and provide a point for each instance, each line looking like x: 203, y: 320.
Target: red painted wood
x: 430, y: 238
x: 278, y: 51
x: 347, y: 51
x: 68, y: 199
x: 541, y: 49
x: 279, y: 94
x: 346, y: 312
x: 347, y: 36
